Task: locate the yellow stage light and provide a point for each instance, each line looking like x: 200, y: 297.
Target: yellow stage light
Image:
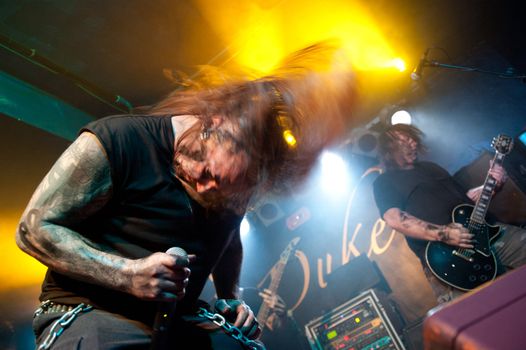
x: 19, y: 268
x: 399, y: 64
x: 289, y: 138
x: 259, y: 34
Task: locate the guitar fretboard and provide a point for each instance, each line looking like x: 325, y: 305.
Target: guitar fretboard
x: 278, y: 269
x: 482, y: 205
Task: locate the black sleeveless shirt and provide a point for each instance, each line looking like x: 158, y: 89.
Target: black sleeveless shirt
x: 149, y: 212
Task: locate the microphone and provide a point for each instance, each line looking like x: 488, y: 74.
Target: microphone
x: 165, y: 310
x: 417, y: 72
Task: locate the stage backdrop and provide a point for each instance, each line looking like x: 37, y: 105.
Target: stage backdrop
x: 335, y: 231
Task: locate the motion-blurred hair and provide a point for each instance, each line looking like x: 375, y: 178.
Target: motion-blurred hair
x: 305, y: 97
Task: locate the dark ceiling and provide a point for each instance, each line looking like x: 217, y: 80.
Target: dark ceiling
x: 129, y: 48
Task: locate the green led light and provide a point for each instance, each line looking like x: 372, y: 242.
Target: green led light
x: 331, y: 334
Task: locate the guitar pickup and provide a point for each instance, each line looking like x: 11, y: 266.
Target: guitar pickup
x: 460, y: 255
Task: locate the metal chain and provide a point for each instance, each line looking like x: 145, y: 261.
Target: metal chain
x: 61, y: 324
x: 231, y: 330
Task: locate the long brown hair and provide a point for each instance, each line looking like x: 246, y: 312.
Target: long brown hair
x: 315, y: 107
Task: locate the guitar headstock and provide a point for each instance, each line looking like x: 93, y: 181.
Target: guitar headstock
x: 502, y: 144
x: 290, y: 248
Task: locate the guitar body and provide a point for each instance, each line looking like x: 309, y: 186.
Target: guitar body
x: 462, y: 268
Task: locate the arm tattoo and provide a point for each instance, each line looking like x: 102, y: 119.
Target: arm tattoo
x: 403, y: 216
x: 443, y: 236
x: 76, y: 187
x: 432, y: 227
x: 415, y: 227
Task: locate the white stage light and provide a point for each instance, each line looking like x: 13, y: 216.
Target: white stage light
x: 244, y: 227
x: 334, y: 174
x: 401, y: 117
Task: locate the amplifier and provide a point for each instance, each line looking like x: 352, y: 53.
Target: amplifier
x: 360, y: 323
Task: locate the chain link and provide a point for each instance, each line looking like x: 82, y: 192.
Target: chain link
x: 61, y: 324
x: 231, y: 330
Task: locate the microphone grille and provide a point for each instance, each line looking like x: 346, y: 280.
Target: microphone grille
x: 180, y: 254
x: 177, y: 251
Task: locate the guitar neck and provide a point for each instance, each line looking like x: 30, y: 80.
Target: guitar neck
x: 273, y: 287
x: 482, y: 204
x: 275, y: 279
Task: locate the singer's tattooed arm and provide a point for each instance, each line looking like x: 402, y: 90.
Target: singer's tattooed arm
x: 412, y: 226
x: 77, y: 186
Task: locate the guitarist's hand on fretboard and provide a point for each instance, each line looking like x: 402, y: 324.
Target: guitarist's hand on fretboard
x: 274, y: 301
x: 474, y: 193
x: 498, y: 173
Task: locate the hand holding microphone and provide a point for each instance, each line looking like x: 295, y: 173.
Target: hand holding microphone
x: 180, y: 272
x: 177, y: 290
x: 172, y: 288
x: 159, y: 277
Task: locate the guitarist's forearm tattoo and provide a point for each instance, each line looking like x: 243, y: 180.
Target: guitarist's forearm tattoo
x: 443, y: 235
x: 403, y: 216
x: 421, y: 228
x: 432, y: 227
x: 409, y: 221
x: 441, y: 232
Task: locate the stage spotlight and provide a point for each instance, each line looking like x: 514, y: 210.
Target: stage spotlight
x: 399, y: 64
x: 244, y: 228
x: 289, y: 138
x: 334, y: 175
x: 401, y: 117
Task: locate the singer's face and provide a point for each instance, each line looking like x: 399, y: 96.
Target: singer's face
x: 212, y: 171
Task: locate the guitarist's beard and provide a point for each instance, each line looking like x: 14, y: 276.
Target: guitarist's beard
x: 410, y: 154
x: 404, y: 158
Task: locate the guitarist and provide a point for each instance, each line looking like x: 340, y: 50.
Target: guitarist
x: 278, y: 326
x: 417, y: 198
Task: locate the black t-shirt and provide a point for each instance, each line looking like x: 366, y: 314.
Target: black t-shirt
x: 427, y: 192
x: 149, y: 212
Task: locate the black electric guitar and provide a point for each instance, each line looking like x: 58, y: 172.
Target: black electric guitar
x: 462, y: 268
